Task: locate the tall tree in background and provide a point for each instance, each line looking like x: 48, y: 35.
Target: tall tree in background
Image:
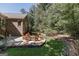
x: 41, y: 22
x: 60, y: 17
x: 23, y: 11
x: 37, y: 17
x: 30, y: 18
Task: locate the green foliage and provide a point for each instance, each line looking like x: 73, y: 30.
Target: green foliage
x: 38, y: 15
x: 65, y: 18
x: 57, y: 16
x: 72, y: 19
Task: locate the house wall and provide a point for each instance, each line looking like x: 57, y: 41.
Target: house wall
x: 14, y: 27
x: 2, y: 26
x: 2, y: 33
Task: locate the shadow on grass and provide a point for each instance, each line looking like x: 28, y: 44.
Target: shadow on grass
x: 51, y: 48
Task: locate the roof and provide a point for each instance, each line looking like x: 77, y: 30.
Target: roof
x: 14, y: 15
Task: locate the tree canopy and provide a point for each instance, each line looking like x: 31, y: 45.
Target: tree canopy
x: 57, y: 16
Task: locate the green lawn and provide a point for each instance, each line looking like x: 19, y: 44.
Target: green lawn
x: 51, y: 48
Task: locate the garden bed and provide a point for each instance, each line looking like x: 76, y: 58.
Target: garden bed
x: 26, y: 40
x: 50, y: 48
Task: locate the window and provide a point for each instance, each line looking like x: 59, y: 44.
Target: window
x: 19, y: 23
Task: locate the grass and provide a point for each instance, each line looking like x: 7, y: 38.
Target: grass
x: 51, y: 48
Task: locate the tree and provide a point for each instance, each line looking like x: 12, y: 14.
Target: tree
x: 23, y: 11
x: 37, y: 17
x: 40, y: 20
x: 60, y: 17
